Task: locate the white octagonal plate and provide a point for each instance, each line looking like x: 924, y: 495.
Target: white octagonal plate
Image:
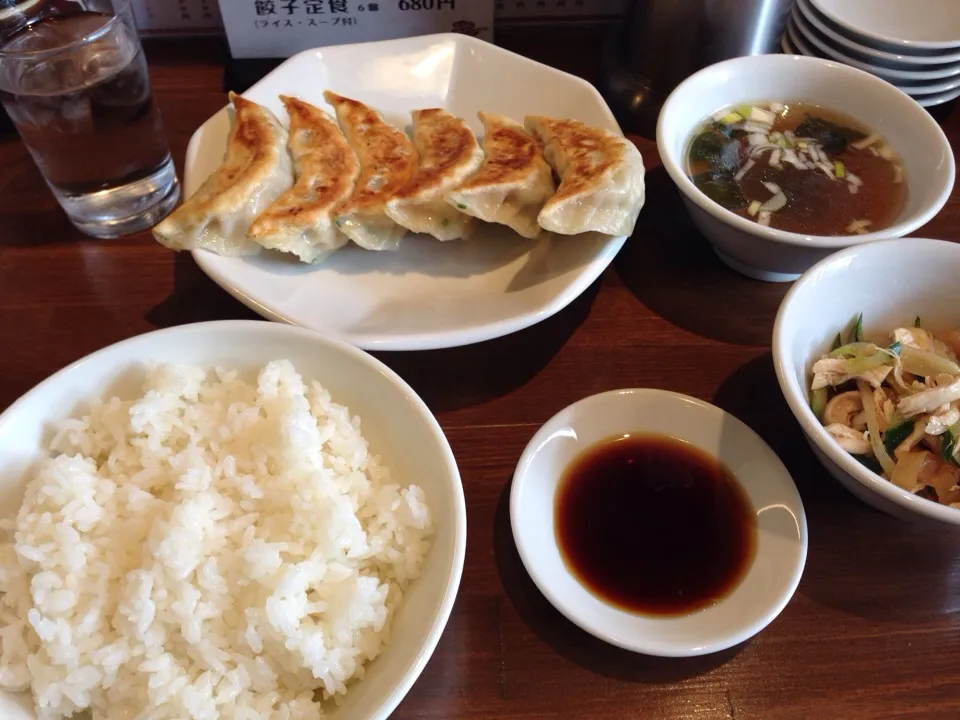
x: 428, y: 294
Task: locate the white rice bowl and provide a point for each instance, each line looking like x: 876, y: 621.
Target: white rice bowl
x: 221, y: 544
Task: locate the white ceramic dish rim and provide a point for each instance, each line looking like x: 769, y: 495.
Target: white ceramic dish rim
x: 640, y: 645
x: 938, y: 98
x: 796, y: 395
x: 432, y: 638
x: 887, y: 39
x: 920, y: 91
x: 800, y: 32
x: 820, y: 23
x: 679, y: 176
x: 432, y: 339
x: 922, y: 99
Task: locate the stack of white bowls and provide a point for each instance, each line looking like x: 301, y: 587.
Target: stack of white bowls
x: 913, y: 44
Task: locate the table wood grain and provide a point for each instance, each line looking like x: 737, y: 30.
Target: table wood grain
x: 874, y: 628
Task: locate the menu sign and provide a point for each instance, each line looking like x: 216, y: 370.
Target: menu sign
x: 280, y: 28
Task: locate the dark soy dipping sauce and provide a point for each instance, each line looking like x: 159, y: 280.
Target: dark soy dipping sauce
x: 653, y: 525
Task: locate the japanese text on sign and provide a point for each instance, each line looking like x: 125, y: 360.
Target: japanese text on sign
x: 279, y: 28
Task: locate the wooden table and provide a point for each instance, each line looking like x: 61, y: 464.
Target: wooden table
x: 874, y: 629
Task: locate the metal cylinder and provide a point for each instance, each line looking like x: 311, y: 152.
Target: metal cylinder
x: 661, y: 42
x: 665, y: 41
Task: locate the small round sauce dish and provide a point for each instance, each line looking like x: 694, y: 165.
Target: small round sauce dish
x: 658, y: 523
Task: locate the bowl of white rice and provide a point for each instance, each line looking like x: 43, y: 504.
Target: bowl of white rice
x: 235, y: 519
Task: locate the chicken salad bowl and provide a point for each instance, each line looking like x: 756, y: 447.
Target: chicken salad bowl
x: 866, y: 349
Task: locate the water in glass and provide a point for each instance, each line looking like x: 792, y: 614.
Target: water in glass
x: 74, y: 81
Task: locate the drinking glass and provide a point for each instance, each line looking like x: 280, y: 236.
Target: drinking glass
x: 73, y: 79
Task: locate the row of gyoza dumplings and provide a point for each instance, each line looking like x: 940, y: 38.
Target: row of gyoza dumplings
x: 308, y: 191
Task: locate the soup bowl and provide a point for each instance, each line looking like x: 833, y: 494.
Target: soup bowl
x: 891, y: 283
x: 766, y: 253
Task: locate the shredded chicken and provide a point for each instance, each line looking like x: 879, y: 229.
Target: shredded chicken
x: 913, y: 337
x: 922, y: 340
x: 886, y: 409
x: 905, y: 412
x: 849, y: 439
x: 830, y: 372
x: 904, y: 382
x: 945, y: 417
x: 929, y: 400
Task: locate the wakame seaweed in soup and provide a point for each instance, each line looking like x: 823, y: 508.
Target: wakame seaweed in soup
x: 798, y: 167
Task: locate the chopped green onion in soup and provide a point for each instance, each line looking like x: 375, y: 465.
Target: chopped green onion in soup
x: 836, y: 177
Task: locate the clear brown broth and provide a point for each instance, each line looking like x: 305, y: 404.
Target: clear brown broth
x: 817, y: 205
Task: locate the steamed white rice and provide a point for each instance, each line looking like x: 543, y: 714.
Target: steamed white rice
x: 212, y: 549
